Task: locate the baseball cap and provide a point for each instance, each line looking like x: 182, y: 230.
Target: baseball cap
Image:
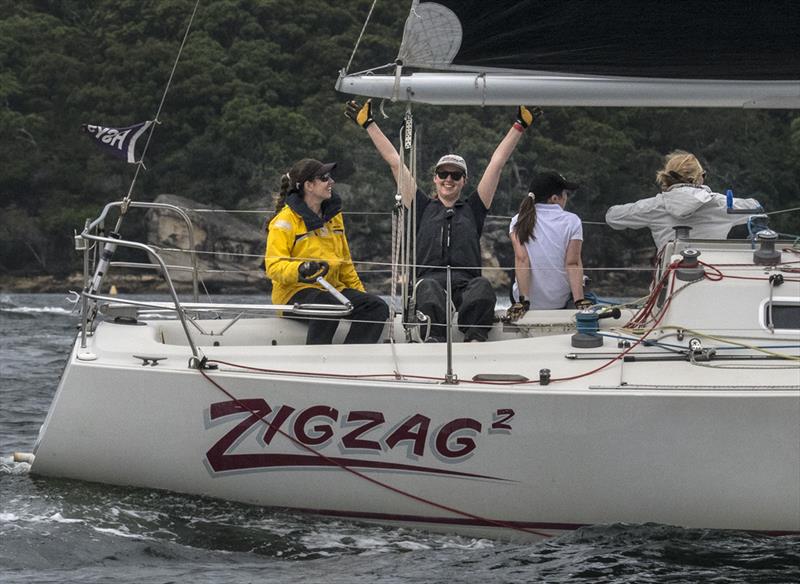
x: 454, y: 160
x: 309, y: 168
x: 545, y: 184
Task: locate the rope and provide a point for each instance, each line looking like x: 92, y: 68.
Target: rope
x: 782, y: 211
x: 156, y: 121
x: 360, y: 36
x: 361, y: 475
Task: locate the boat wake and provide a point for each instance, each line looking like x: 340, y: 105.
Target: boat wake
x: 8, y: 306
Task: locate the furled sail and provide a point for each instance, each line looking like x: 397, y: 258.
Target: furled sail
x: 718, y: 53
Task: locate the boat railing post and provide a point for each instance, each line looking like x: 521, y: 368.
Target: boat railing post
x: 165, y: 273
x: 82, y: 244
x: 449, y: 377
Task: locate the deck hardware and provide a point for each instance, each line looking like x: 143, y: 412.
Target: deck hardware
x: 766, y: 255
x: 682, y: 231
x: 500, y: 377
x: 195, y: 363
x: 147, y: 360
x: 587, y: 325
x: 689, y: 270
x: 544, y: 376
x: 776, y: 280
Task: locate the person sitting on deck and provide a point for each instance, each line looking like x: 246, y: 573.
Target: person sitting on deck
x: 547, y: 244
x: 307, y: 232
x: 448, y: 228
x: 684, y: 200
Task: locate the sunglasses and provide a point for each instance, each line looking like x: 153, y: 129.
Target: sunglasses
x: 324, y: 178
x: 457, y: 175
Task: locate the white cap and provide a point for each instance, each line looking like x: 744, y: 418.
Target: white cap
x: 453, y: 159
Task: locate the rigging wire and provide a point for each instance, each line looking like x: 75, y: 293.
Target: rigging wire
x: 360, y: 36
x: 156, y: 121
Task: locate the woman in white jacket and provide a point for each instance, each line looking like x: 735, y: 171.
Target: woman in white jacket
x: 684, y: 200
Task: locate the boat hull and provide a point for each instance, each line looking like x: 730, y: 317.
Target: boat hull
x: 476, y: 459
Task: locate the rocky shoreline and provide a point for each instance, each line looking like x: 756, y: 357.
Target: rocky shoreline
x: 123, y: 284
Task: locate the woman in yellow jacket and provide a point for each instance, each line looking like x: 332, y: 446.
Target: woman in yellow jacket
x: 308, y: 230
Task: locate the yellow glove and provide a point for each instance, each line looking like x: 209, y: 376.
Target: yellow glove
x: 527, y: 115
x: 360, y: 114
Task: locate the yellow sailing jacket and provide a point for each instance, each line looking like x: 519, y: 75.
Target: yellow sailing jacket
x: 296, y: 234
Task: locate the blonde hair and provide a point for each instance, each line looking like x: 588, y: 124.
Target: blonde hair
x: 680, y: 167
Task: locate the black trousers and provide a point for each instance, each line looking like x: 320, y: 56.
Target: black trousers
x: 369, y: 315
x: 473, y: 297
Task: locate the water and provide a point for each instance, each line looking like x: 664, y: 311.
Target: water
x: 69, y: 531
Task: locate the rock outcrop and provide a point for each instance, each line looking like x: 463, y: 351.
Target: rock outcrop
x: 229, y: 251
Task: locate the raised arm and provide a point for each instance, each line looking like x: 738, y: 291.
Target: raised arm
x: 491, y: 177
x: 362, y: 115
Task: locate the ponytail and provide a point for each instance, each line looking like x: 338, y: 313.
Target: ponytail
x: 286, y: 189
x: 526, y: 220
x: 680, y: 167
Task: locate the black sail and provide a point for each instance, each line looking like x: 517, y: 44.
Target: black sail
x: 700, y: 39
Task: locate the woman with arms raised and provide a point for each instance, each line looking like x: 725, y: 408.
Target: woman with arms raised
x: 306, y: 233
x: 449, y: 226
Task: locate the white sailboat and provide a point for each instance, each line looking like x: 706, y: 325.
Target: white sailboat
x: 685, y: 410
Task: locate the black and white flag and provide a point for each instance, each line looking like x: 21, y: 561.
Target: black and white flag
x: 117, y: 141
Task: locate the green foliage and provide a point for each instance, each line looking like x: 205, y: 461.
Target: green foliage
x: 253, y: 92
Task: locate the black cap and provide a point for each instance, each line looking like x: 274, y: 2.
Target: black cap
x: 546, y: 184
x: 309, y: 169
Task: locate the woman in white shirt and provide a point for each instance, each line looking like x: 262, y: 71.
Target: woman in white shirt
x: 684, y: 200
x: 547, y: 248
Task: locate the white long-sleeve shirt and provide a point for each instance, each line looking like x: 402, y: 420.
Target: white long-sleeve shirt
x: 682, y: 204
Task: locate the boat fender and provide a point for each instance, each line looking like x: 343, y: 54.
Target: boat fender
x: 23, y: 457
x: 690, y: 269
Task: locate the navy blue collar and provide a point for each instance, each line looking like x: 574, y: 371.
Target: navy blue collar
x: 329, y: 209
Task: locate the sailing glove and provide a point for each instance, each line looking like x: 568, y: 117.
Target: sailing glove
x: 527, y: 115
x: 360, y: 114
x: 310, y: 271
x: 583, y: 304
x: 517, y: 310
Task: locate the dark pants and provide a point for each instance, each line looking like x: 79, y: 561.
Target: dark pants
x: 369, y: 315
x: 474, y: 300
